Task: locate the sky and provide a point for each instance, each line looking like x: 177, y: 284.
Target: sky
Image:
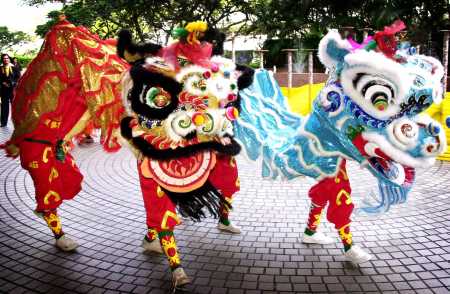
x: 21, y: 17
x: 18, y: 16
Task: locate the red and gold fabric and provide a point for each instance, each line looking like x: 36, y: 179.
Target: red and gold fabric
x: 74, y: 81
x: 182, y: 174
x: 54, y: 180
x: 75, y: 75
x: 169, y: 247
x: 346, y: 236
x: 54, y: 222
x: 315, y: 215
x: 152, y: 234
x: 160, y: 210
x: 336, y: 192
x: 224, y: 177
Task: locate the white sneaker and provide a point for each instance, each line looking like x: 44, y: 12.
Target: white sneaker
x: 179, y: 278
x: 230, y: 228
x: 153, y: 246
x: 317, y: 238
x: 357, y: 255
x: 65, y: 243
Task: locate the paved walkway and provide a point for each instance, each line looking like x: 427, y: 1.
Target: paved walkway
x: 410, y: 243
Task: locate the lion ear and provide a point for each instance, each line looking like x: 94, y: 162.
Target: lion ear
x: 132, y: 52
x: 333, y: 49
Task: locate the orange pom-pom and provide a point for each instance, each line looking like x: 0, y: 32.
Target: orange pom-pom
x: 198, y: 118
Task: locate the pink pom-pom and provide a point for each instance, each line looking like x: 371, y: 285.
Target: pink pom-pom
x: 232, y: 113
x: 214, y: 67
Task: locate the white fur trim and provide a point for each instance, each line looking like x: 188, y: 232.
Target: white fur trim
x: 225, y: 128
x: 127, y: 85
x: 377, y: 65
x: 396, y: 154
x: 224, y: 63
x: 332, y: 36
x: 174, y: 132
x: 218, y: 115
x: 189, y: 75
x: 222, y: 126
x: 431, y: 78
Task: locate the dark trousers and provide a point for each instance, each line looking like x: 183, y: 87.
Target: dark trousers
x: 7, y: 95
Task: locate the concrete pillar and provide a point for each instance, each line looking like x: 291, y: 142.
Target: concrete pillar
x: 445, y: 104
x: 347, y: 31
x: 366, y: 32
x: 289, y: 60
x: 310, y: 76
x: 233, y: 50
x: 261, y: 57
x: 445, y: 56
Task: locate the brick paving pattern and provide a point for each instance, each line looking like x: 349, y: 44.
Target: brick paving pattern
x: 410, y: 244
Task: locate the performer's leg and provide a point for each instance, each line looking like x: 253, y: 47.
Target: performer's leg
x: 4, y: 109
x: 152, y: 194
x: 319, y: 198
x: 224, y: 177
x: 54, y: 181
x: 224, y: 221
x: 53, y: 221
x: 161, y: 220
x: 169, y: 246
x: 151, y: 235
x: 225, y: 212
x: 339, y: 212
x: 150, y: 242
x: 160, y: 212
x: 167, y: 240
x: 315, y: 215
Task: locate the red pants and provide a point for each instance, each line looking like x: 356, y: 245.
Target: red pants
x: 336, y: 192
x: 54, y: 181
x: 160, y: 209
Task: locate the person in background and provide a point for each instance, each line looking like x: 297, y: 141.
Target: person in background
x: 8, y: 79
x: 16, y: 64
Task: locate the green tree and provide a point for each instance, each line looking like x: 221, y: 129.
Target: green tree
x: 9, y: 39
x: 149, y: 19
x: 295, y: 18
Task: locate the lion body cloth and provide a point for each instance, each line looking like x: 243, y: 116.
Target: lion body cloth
x: 369, y: 111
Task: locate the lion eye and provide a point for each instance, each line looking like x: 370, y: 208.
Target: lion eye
x: 375, y: 90
x: 379, y: 96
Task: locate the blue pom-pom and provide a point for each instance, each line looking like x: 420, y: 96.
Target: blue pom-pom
x: 447, y: 121
x: 433, y: 129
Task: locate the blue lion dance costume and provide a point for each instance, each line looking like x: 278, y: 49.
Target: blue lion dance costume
x: 369, y: 111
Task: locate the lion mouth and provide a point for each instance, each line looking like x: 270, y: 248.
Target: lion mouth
x: 394, y: 172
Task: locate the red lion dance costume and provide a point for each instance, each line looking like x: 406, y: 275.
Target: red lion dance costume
x: 180, y: 102
x: 73, y: 82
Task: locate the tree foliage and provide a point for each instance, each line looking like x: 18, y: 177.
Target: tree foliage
x: 296, y: 18
x: 9, y: 39
x: 148, y: 19
x: 304, y: 21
